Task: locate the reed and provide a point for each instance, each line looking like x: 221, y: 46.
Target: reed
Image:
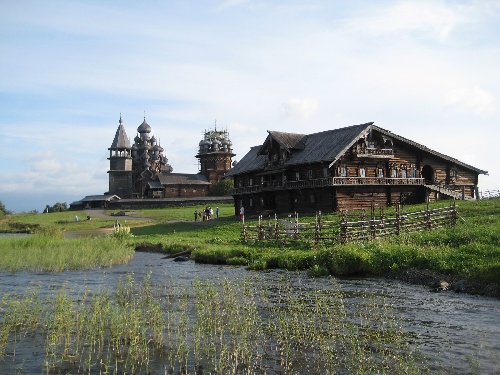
x: 221, y: 327
x: 46, y: 253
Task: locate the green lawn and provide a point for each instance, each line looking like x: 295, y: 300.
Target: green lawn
x: 470, y: 250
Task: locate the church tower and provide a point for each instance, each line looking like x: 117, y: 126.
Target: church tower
x: 120, y: 164
x: 215, y: 153
x: 148, y: 160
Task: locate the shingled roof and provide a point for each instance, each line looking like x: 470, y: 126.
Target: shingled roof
x: 327, y: 146
x: 121, y: 140
x: 252, y: 161
x: 426, y: 149
x: 182, y: 179
x: 289, y: 141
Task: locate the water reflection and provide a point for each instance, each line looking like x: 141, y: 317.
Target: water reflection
x: 452, y: 330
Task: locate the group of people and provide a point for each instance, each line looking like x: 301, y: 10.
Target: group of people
x: 206, y: 214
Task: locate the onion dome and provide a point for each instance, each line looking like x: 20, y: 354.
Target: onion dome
x: 137, y: 139
x: 153, y: 140
x: 144, y: 127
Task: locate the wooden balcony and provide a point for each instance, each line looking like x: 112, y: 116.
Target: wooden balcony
x: 328, y: 181
x: 380, y: 153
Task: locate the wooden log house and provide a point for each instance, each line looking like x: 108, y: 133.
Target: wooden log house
x: 359, y: 166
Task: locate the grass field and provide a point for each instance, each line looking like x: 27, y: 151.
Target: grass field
x: 470, y: 250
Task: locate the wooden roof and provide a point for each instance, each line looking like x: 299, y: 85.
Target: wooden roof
x: 426, y: 149
x: 182, y: 179
x: 121, y: 140
x: 252, y: 161
x: 287, y: 141
x: 328, y: 147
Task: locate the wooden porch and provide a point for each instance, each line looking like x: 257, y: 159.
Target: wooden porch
x: 324, y: 182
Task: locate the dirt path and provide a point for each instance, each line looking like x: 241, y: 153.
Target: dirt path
x: 101, y: 214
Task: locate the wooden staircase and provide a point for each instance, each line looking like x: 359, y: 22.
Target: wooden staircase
x: 448, y: 192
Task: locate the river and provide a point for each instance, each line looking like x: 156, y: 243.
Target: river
x: 451, y: 329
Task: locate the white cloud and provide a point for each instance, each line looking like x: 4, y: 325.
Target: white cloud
x: 433, y: 19
x: 301, y: 108
x: 473, y: 99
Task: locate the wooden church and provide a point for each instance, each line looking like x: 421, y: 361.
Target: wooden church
x: 358, y: 166
x: 141, y: 170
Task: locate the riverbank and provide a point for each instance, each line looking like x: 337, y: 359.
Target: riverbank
x: 464, y: 258
x: 438, y: 283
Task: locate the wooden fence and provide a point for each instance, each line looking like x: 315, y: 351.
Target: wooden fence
x: 349, y: 227
x: 487, y: 194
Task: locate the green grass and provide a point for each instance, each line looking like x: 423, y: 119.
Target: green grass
x: 220, y: 326
x: 47, y: 253
x: 470, y: 250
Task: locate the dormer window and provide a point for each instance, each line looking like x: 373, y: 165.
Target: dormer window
x: 343, y: 171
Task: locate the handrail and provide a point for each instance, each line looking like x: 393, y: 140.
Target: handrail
x: 327, y: 181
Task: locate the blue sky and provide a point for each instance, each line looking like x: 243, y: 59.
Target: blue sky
x: 425, y: 70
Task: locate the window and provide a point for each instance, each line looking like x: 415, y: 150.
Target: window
x: 251, y: 202
x: 343, y: 171
x: 394, y: 173
x: 310, y: 174
x: 325, y: 172
x: 380, y: 173
x: 362, y: 172
x: 403, y: 173
x: 311, y: 198
x: 250, y: 181
x: 453, y: 173
x: 297, y: 176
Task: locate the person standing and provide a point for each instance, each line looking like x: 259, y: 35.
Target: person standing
x: 195, y: 215
x: 217, y: 212
x: 242, y: 213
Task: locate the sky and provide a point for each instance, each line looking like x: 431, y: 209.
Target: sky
x: 427, y: 70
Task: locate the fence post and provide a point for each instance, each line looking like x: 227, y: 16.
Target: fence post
x: 276, y: 228
x: 259, y: 229
x: 453, y: 214
x: 296, y: 227
x: 245, y: 238
x: 362, y: 222
x: 317, y: 227
x: 372, y: 224
x: 398, y: 220
x: 428, y: 221
x: 343, y: 228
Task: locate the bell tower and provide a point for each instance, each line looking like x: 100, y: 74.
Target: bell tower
x: 215, y: 153
x: 120, y: 164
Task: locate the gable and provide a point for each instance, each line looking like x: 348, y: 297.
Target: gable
x: 328, y: 147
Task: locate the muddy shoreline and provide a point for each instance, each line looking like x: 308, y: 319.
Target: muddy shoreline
x: 445, y: 283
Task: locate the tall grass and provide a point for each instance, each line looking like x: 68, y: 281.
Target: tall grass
x: 470, y: 250
x: 47, y: 253
x: 223, y: 327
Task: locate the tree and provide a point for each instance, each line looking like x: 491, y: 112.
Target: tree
x: 3, y: 210
x: 58, y: 207
x: 222, y: 188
